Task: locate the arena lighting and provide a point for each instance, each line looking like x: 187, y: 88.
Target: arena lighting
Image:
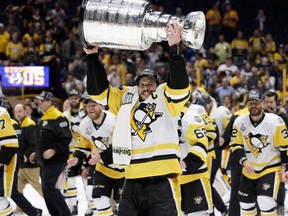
x: 25, y: 76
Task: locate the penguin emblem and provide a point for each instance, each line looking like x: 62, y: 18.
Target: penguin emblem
x: 256, y: 143
x: 144, y: 115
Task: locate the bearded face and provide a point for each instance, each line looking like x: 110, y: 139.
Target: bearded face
x: 255, y: 107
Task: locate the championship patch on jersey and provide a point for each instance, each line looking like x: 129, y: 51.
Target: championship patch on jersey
x: 63, y: 124
x: 256, y: 143
x: 88, y: 132
x: 198, y: 119
x: 144, y: 115
x: 280, y: 120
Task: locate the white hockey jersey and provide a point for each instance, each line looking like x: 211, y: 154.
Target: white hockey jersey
x: 194, y: 149
x: 260, y: 143
x: 74, y: 122
x: 222, y: 116
x: 153, y: 127
x: 98, y: 138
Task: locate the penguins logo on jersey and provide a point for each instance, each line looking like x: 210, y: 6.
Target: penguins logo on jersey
x: 143, y: 117
x: 74, y: 126
x: 101, y: 143
x: 256, y: 143
x: 266, y: 186
x: 198, y: 200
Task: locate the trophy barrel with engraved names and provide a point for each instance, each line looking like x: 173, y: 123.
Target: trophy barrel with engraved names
x: 133, y: 25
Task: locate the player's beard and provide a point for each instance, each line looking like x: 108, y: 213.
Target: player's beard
x: 75, y: 106
x: 255, y: 111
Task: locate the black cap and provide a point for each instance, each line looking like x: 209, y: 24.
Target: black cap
x: 4, y: 104
x: 207, y: 99
x: 45, y: 95
x: 150, y: 73
x: 84, y: 96
x: 74, y: 92
x: 86, y: 100
x: 254, y: 95
x: 200, y: 102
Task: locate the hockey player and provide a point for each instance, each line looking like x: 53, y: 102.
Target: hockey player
x: 8, y: 160
x: 95, y: 139
x: 145, y: 136
x: 74, y: 117
x: 195, y: 183
x: 259, y: 142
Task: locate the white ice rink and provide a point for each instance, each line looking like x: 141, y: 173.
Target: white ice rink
x: 38, y: 201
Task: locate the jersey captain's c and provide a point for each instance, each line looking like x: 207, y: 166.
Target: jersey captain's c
x: 261, y: 144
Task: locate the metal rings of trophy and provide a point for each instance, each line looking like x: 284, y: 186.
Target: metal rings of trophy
x: 133, y: 25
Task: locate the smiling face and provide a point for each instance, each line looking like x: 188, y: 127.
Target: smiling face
x: 270, y: 104
x: 146, y: 87
x: 94, y: 110
x: 255, y: 107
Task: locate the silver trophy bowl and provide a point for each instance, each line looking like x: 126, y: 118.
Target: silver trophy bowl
x: 133, y: 25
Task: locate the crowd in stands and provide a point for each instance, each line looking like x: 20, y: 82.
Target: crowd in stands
x: 45, y: 32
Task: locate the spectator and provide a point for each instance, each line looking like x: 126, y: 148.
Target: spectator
x: 230, y: 21
x: 228, y: 69
x: 261, y: 21
x: 257, y: 44
x: 115, y: 62
x: 270, y: 47
x: 37, y: 21
x: 31, y: 34
x: 213, y: 18
x: 222, y: 49
x: 224, y: 90
x: 239, y: 48
x: 70, y: 46
x: 4, y: 40
x: 246, y: 70
x: 15, y: 50
x: 72, y: 83
x: 31, y: 53
x: 11, y: 27
x: 130, y: 79
x: 253, y: 80
x: 113, y: 76
x: 162, y: 71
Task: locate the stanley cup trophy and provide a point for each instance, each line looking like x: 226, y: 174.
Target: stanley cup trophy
x: 133, y: 25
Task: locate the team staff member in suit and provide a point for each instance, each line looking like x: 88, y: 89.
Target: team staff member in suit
x: 140, y: 141
x: 8, y: 160
x: 52, y: 149
x: 259, y: 142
